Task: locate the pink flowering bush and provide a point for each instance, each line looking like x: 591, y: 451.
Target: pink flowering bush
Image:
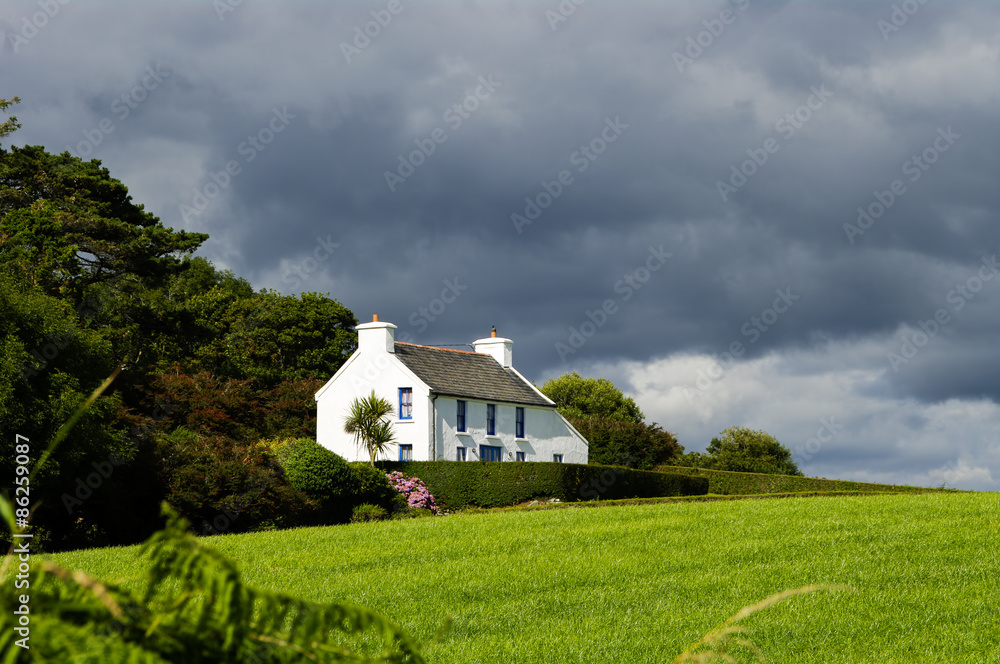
x: 417, y: 495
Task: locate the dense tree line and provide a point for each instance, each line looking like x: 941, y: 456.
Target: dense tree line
x: 90, y: 282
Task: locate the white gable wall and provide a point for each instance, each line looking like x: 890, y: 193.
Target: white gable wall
x: 362, y: 373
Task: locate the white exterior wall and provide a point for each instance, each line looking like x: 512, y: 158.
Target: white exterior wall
x: 432, y: 431
x: 385, y: 374
x: 545, y: 432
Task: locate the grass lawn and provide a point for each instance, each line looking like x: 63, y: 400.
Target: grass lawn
x: 640, y: 583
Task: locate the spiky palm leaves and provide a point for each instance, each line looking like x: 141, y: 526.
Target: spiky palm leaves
x: 366, y: 422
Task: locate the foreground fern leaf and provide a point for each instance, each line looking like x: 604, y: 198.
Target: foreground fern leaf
x: 195, y: 609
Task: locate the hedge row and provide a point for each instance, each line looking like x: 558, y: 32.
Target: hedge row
x: 729, y: 483
x: 457, y: 484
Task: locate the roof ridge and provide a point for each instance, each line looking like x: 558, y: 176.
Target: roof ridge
x: 447, y: 350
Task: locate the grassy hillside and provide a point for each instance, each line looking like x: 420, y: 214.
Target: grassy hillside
x: 639, y: 583
x: 729, y: 483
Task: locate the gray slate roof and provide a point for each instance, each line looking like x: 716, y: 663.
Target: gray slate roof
x: 462, y: 373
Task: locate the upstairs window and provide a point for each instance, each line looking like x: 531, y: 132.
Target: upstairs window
x: 460, y: 419
x: 519, y: 422
x: 491, y: 419
x: 406, y: 403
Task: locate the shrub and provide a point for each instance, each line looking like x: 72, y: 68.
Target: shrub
x: 323, y: 476
x: 375, y: 487
x: 223, y: 485
x: 458, y: 484
x: 416, y: 492
x: 367, y: 512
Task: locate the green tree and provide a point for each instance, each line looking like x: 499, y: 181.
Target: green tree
x: 49, y: 364
x: 366, y: 422
x: 10, y: 125
x: 611, y: 422
x: 625, y: 443
x: 578, y: 397
x: 68, y: 224
x: 746, y: 450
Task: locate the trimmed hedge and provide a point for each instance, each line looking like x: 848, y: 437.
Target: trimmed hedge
x: 731, y: 483
x: 458, y: 484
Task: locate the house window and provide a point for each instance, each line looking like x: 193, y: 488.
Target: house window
x: 519, y: 422
x: 519, y: 456
x: 460, y: 420
x: 491, y: 419
x: 406, y: 403
x: 557, y: 458
x: 460, y: 454
x: 490, y: 453
x: 406, y: 452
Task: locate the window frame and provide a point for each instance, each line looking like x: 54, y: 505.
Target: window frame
x: 519, y: 422
x: 461, y: 408
x: 557, y: 458
x: 404, y: 447
x: 460, y: 453
x: 409, y: 404
x: 492, y: 450
x: 519, y: 456
x: 491, y: 419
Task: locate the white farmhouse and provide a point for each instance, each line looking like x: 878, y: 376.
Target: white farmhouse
x: 449, y: 404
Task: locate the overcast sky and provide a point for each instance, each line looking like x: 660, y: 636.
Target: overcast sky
x: 780, y: 215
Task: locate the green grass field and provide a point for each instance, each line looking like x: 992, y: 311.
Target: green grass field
x: 640, y: 583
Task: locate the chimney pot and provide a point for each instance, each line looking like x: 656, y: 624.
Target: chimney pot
x: 375, y: 318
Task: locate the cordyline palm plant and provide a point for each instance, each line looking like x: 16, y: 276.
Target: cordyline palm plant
x: 366, y: 423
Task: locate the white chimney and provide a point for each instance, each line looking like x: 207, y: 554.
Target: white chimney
x: 376, y: 337
x: 498, y: 347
